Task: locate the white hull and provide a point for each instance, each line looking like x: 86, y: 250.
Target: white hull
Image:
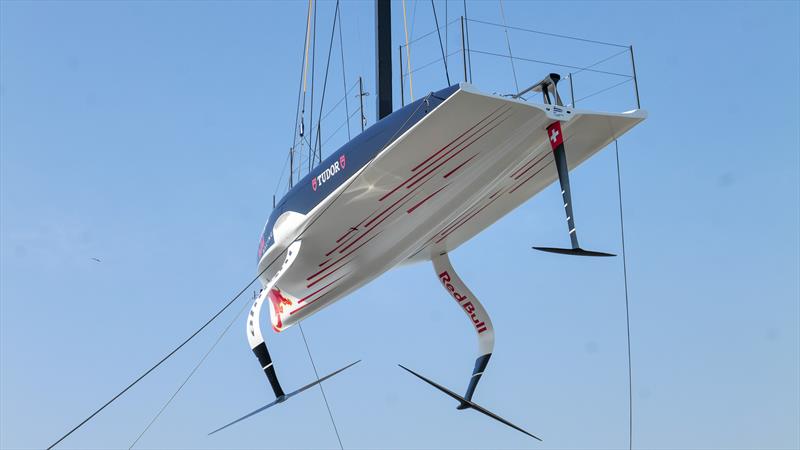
x: 458, y: 170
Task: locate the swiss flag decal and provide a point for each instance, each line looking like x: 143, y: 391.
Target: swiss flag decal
x: 555, y: 135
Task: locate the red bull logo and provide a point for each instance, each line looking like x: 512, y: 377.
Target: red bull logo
x: 278, y: 302
x: 469, y: 308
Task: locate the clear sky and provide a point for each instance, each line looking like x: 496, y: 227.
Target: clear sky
x: 151, y: 135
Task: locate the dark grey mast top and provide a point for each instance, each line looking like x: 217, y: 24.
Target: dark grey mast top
x: 383, y: 57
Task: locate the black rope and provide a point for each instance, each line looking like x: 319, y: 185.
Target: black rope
x: 324, y: 397
x: 441, y: 46
x: 191, y: 374
x: 627, y: 308
x: 175, y: 350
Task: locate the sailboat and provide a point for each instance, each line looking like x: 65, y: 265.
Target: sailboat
x: 416, y: 185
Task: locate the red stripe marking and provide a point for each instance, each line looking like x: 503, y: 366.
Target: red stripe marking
x: 527, y: 179
x: 347, y: 234
x: 387, y: 209
x: 525, y: 166
x: 338, y: 260
x: 460, y: 165
x: 312, y: 301
x: 378, y: 223
x: 425, y: 199
x: 498, y: 191
x: 459, y: 218
x: 532, y: 166
x: 324, y: 262
x: 359, y: 224
x: 461, y: 150
x: 341, y: 244
x: 318, y: 290
x: 459, y: 137
x: 468, y: 219
x: 440, y: 150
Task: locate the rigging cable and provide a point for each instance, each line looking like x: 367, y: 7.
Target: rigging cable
x: 441, y: 46
x: 311, y: 7
x: 324, y: 397
x: 313, y: 73
x: 191, y: 374
x: 408, y: 54
x: 298, y: 132
x: 508, y: 43
x: 627, y: 308
x: 162, y: 360
x: 466, y: 29
x: 318, y: 142
x: 344, y: 79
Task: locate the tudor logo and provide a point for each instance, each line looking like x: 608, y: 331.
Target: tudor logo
x: 469, y: 308
x: 328, y: 173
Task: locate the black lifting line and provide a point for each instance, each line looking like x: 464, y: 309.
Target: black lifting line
x: 627, y: 309
x: 162, y: 360
x: 321, y: 389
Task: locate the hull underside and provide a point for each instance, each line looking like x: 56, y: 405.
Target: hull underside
x: 462, y: 167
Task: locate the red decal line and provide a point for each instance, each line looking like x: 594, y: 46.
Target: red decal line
x: 498, y: 191
x: 532, y: 166
x: 468, y: 219
x: 324, y: 262
x: 442, y: 149
x: 528, y: 164
x: 347, y: 234
x: 338, y: 260
x: 461, y: 150
x: 320, y: 289
x: 388, y: 208
x: 379, y: 222
x: 459, y: 137
x: 410, y: 210
x: 340, y: 244
x: 527, y: 179
x: 458, y: 219
x: 312, y: 301
x: 460, y: 165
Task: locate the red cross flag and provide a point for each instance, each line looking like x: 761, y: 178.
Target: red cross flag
x: 555, y: 135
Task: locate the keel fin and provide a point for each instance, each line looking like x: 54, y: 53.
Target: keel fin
x: 285, y: 397
x: 469, y: 404
x: 556, y: 137
x: 572, y: 251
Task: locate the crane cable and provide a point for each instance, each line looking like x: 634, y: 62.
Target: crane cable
x: 627, y: 307
x: 191, y: 374
x: 162, y: 360
x: 408, y: 54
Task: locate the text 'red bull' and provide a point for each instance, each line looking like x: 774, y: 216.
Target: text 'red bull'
x: 480, y: 326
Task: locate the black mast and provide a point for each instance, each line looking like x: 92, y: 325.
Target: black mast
x: 383, y: 57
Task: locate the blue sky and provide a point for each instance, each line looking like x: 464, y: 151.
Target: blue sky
x: 151, y: 135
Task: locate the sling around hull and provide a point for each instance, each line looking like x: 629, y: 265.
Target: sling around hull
x: 462, y: 166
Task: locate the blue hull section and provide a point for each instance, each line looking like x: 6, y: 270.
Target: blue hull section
x: 324, y: 179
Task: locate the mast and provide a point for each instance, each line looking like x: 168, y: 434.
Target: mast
x: 383, y: 57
